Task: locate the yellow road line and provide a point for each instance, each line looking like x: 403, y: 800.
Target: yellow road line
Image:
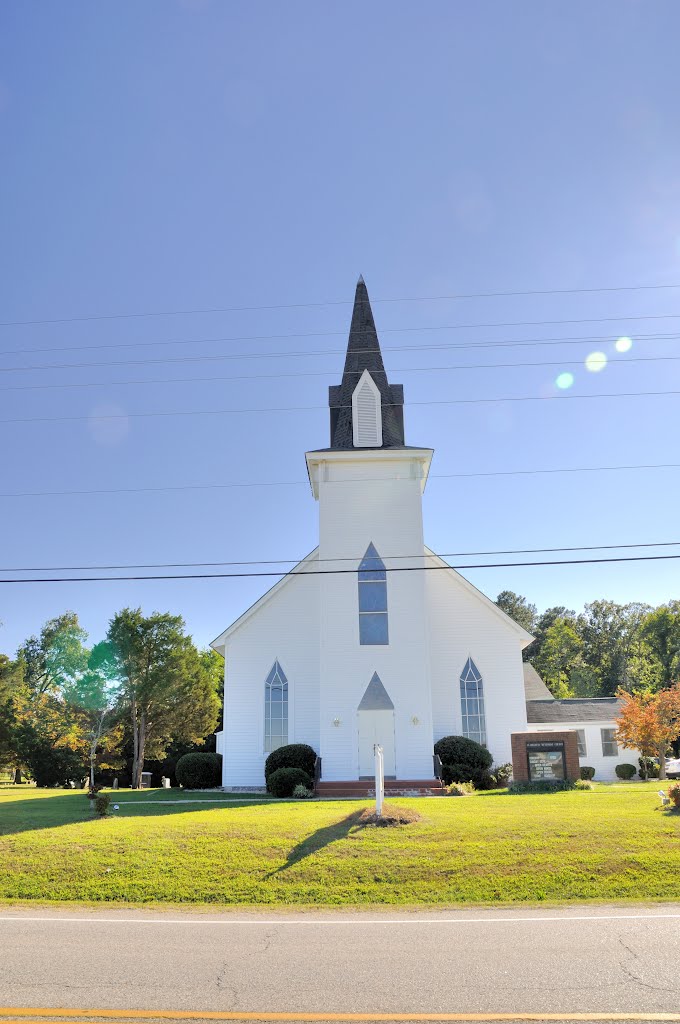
x: 233, y: 1015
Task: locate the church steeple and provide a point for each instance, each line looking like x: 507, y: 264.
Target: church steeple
x: 364, y: 355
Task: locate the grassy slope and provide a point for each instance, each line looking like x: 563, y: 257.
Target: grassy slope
x: 608, y: 844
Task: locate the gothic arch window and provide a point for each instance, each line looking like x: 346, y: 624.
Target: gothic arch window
x: 275, y: 709
x: 472, y: 703
x: 372, y: 599
x: 366, y: 414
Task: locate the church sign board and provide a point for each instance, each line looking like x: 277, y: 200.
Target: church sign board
x: 545, y: 756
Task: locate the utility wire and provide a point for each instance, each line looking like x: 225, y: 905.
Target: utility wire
x: 305, y: 483
x: 338, y: 572
x: 343, y: 333
x: 316, y: 408
x: 325, y: 373
x: 296, y: 561
x: 306, y: 353
x: 338, y: 302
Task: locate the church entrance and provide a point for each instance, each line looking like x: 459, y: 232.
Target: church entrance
x: 375, y: 718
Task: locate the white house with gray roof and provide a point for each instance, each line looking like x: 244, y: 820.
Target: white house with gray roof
x: 371, y: 637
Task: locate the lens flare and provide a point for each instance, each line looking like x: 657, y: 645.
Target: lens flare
x: 623, y: 344
x: 596, y: 361
x: 564, y: 381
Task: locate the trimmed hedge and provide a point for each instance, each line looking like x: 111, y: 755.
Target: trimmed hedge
x: 199, y: 771
x: 293, y: 755
x: 625, y: 771
x: 587, y: 772
x: 542, y: 786
x: 284, y: 781
x: 463, y: 760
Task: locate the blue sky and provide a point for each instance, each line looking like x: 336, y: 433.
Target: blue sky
x: 197, y: 155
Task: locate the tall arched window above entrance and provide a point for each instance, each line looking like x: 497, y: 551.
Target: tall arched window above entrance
x: 472, y: 703
x: 275, y: 709
x: 372, y: 599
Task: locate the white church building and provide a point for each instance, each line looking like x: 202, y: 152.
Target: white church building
x: 357, y: 644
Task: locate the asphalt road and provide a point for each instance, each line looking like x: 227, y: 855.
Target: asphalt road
x: 566, y: 961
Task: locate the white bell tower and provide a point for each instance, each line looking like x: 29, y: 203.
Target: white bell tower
x: 369, y: 486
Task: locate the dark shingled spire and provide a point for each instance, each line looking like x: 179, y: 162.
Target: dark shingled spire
x: 363, y: 353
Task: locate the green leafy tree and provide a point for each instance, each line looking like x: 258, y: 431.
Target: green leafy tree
x: 94, y: 695
x: 49, y: 737
x: 661, y: 633
x: 55, y: 657
x: 560, y: 653
x: 524, y: 614
x: 10, y: 681
x: 167, y: 690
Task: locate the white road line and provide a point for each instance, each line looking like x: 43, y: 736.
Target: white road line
x: 285, y: 923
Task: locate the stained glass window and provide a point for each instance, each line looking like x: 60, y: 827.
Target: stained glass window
x: 472, y: 703
x: 275, y: 709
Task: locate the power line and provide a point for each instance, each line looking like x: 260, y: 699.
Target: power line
x: 296, y: 561
x: 337, y: 572
x: 306, y: 353
x: 324, y: 373
x: 343, y: 333
x: 316, y: 408
x: 305, y: 483
x: 338, y: 302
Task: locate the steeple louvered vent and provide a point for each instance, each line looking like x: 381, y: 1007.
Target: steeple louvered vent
x: 366, y: 414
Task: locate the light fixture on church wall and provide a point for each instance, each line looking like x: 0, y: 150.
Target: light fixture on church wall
x: 336, y: 722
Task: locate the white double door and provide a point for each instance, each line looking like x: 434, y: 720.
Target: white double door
x: 376, y: 727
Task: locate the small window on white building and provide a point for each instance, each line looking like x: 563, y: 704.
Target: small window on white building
x: 472, y: 703
x: 581, y: 740
x: 366, y: 414
x: 275, y: 709
x: 372, y: 599
x: 609, y: 744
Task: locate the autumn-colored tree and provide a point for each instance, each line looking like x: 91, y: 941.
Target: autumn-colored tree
x: 650, y: 722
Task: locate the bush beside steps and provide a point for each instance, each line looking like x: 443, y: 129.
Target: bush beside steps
x: 284, y: 781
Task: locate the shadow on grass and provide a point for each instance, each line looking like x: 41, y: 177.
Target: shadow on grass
x: 320, y: 839
x: 67, y: 808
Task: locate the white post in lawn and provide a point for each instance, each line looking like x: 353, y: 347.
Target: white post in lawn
x: 379, y: 778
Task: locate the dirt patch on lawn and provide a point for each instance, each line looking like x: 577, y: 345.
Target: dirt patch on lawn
x: 390, y: 816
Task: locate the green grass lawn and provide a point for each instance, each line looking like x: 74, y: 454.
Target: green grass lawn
x: 609, y: 844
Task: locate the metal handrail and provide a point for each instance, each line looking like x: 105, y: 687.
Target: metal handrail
x: 437, y: 766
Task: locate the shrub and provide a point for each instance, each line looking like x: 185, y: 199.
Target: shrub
x: 542, y: 786
x: 283, y: 781
x: 625, y: 771
x: 460, y: 789
x: 583, y: 784
x: 293, y: 755
x: 674, y: 794
x: 101, y: 804
x: 649, y: 767
x: 302, y: 793
x: 199, y: 771
x: 587, y: 773
x: 463, y: 760
x: 503, y: 773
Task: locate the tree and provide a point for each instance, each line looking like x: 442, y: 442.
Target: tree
x: 519, y: 609
x: 661, y: 632
x: 49, y: 736
x: 94, y: 695
x: 167, y: 690
x: 10, y: 680
x: 56, y: 656
x: 560, y: 653
x: 650, y: 722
